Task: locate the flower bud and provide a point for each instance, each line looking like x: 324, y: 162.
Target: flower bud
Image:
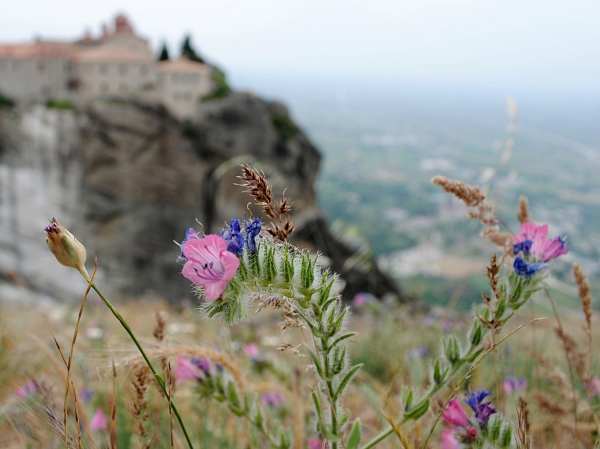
x: 67, y: 250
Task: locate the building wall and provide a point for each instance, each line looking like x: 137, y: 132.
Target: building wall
x: 34, y: 79
x: 113, y: 78
x: 181, y: 91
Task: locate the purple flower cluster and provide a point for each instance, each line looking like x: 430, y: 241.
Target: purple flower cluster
x: 533, y: 243
x: 483, y: 410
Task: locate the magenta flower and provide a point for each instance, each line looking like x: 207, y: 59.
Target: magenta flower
x: 99, y: 421
x: 271, y: 399
x: 251, y: 350
x: 29, y: 388
x: 455, y: 415
x: 316, y: 443
x: 185, y: 370
x: 209, y: 264
x: 360, y: 299
x: 514, y: 384
x: 449, y: 441
x: 534, y: 240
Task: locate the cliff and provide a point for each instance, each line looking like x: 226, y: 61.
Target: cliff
x: 128, y: 179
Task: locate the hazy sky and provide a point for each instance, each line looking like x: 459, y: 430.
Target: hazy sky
x: 542, y: 44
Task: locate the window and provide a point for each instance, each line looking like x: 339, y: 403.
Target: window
x: 123, y: 69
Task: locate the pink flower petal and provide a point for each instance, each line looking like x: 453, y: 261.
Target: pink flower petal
x: 209, y: 264
x: 185, y: 370
x: 99, y: 421
x: 449, y: 441
x: 455, y: 415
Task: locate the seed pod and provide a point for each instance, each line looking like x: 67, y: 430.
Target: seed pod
x: 65, y: 247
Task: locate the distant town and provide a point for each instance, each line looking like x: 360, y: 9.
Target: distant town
x: 116, y: 63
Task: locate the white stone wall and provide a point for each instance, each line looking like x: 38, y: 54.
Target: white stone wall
x: 34, y: 79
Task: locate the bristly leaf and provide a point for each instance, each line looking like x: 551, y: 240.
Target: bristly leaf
x: 317, y: 364
x: 345, y: 381
x: 342, y: 338
x: 419, y: 410
x: 354, y: 439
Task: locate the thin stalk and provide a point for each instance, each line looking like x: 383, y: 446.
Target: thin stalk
x: 572, y: 376
x: 147, y: 360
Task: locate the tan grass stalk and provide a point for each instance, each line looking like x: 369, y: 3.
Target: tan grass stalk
x: 586, y: 301
x: 69, y: 385
x: 70, y: 360
x: 190, y: 351
x: 494, y: 235
x: 139, y: 406
x: 523, y: 435
x: 471, y: 196
x: 113, y: 410
x: 257, y: 186
x: 170, y: 387
x: 299, y: 414
x: 523, y: 212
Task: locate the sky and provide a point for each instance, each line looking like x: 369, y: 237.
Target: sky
x: 543, y: 45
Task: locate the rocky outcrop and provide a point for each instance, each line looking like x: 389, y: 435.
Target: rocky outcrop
x: 127, y: 179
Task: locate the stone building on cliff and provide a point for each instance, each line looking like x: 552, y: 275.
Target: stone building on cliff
x: 118, y: 63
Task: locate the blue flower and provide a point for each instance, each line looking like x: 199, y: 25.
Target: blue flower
x: 252, y: 230
x: 190, y: 234
x: 233, y: 236
x: 524, y: 246
x: 525, y: 269
x: 483, y: 410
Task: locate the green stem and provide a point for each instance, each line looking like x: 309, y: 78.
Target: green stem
x: 147, y: 360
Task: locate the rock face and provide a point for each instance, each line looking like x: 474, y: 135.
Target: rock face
x: 128, y: 179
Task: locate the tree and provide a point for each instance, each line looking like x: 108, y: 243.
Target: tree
x: 164, y: 53
x: 188, y: 50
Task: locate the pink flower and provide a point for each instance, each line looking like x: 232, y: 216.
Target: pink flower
x: 185, y: 370
x: 251, y: 350
x: 593, y: 386
x: 360, y: 299
x: 316, y: 443
x: 99, y: 421
x: 449, y: 441
x: 534, y: 239
x: 455, y: 415
x: 209, y: 264
x: 29, y: 388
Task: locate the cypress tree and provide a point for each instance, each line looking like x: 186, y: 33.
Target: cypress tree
x: 188, y: 50
x: 164, y: 53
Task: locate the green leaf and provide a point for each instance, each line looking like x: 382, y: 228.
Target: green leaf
x: 345, y: 381
x: 237, y: 411
x: 419, y: 410
x: 408, y: 399
x: 354, y: 439
x: 342, y: 338
x: 317, y: 364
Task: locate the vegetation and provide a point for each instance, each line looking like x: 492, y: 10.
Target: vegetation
x: 164, y: 53
x: 60, y: 104
x: 285, y: 127
x: 6, y: 102
x: 187, y: 50
x: 221, y: 90
x: 287, y: 380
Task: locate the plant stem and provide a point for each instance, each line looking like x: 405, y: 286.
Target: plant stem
x: 147, y: 360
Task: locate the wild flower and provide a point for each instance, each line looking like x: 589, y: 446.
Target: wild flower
x: 455, y: 415
x: 252, y: 231
x: 234, y: 238
x: 190, y: 235
x: 449, y: 440
x: 534, y: 240
x: 316, y: 443
x: 513, y: 384
x: 360, y: 299
x: 186, y: 370
x: 65, y: 247
x: 527, y: 269
x: 29, y: 389
x: 185, y: 303
x: 271, y: 399
x: 251, y: 351
x: 202, y: 364
x: 209, y: 264
x: 419, y: 352
x: 483, y: 410
x: 593, y: 385
x: 86, y: 395
x: 98, y: 421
